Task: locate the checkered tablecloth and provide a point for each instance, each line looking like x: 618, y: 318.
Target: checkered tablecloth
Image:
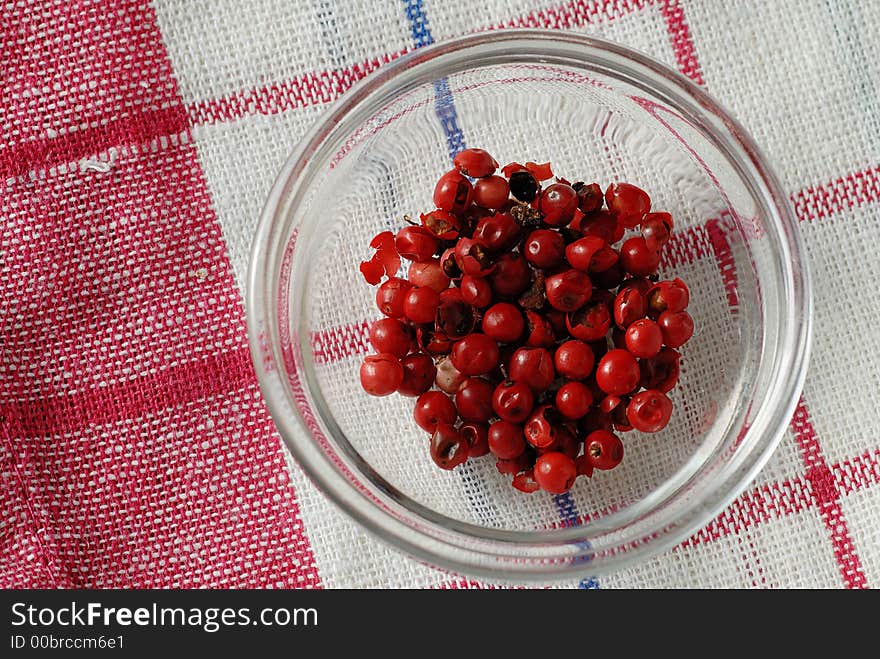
x: 138, y: 142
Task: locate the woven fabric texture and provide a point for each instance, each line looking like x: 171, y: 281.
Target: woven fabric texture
x: 138, y: 141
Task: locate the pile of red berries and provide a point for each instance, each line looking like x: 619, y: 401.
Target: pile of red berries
x: 501, y: 329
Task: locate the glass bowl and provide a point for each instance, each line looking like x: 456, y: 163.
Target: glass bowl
x: 600, y: 112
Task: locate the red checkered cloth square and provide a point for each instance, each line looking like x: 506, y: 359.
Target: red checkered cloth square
x: 138, y: 143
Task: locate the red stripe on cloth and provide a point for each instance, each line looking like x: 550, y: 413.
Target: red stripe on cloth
x: 137, y: 129
x: 339, y: 342
x: 463, y: 584
x: 575, y: 14
x: 314, y: 88
x: 849, y: 191
x: 755, y: 507
x: 685, y: 246
x: 826, y: 496
x: 858, y: 473
x: 724, y: 258
x: 213, y: 375
x: 682, y: 43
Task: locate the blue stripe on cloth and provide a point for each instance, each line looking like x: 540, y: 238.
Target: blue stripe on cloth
x: 443, y: 104
x: 415, y: 13
x: 569, y: 514
x: 445, y: 109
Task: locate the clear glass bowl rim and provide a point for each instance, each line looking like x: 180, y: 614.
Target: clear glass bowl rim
x: 491, y: 556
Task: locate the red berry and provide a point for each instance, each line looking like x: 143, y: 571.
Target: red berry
x: 454, y: 318
x: 584, y: 466
x: 448, y: 378
x: 416, y: 244
x: 568, y: 290
x: 491, y: 192
x: 656, y: 228
x: 451, y: 296
x: 661, y: 372
x: 617, y: 373
x: 604, y: 259
x: 449, y: 264
x: 540, y: 427
x: 610, y: 403
x: 498, y: 232
x: 627, y: 202
x: 477, y: 436
x: 589, y: 198
x: 381, y: 374
x: 539, y: 331
x: 677, y: 327
x: 589, y: 323
x: 604, y: 449
x: 506, y: 440
x: 475, y: 354
x: 595, y: 419
x: 503, y: 322
x: 668, y: 296
x: 473, y: 257
x: 641, y: 284
x: 434, y: 407
x: 629, y: 306
x: 533, y: 367
x: 392, y: 336
x: 443, y: 225
x: 511, y: 276
x: 558, y: 202
x: 644, y: 338
x: 420, y: 304
x: 637, y: 259
x: 391, y: 295
x: 555, y: 472
x: 602, y: 224
x: 433, y: 341
x: 649, y: 411
x: 448, y: 448
x: 582, y: 254
x: 453, y: 192
x: 475, y: 162
x: 618, y: 415
x: 474, y: 400
x: 573, y: 400
x: 429, y: 274
x: 515, y: 465
x: 565, y: 442
x: 475, y: 291
x: 525, y: 481
x: 610, y: 278
x: 574, y: 360
x: 418, y: 374
x: 513, y: 401
x: 544, y: 248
